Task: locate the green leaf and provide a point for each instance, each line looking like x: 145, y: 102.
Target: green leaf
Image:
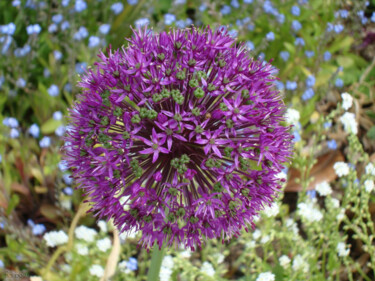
x: 50, y: 126
x: 254, y: 165
x: 14, y: 200
x: 371, y: 133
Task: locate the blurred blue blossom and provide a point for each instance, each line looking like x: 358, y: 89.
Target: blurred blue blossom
x: 21, y: 52
x: 169, y: 19
x: 57, y: 54
x: 68, y: 86
x: 373, y: 17
x: 291, y: 85
x: 331, y: 144
x: 53, y: 90
x: 268, y: 8
x: 2, y: 80
x: 33, y: 29
x: 37, y: 229
x: 248, y: 1
x: 342, y: 13
x: 67, y: 179
x: 10, y: 122
x: 80, y: 68
x: 141, y: 22
x: 68, y: 190
x: 21, y: 83
x: 34, y: 130
x: 46, y: 72
x: 296, y: 135
x: 327, y: 56
x: 45, y: 142
x: 132, y: 264
x: 327, y: 125
x: 329, y: 27
x: 309, y: 54
x: 57, y: 18
x: 311, y: 193
x: 65, y: 3
x: 202, y: 7
x: 65, y: 25
x: 104, y: 28
x: 279, y: 85
x: 299, y: 42
x: 81, y: 33
x: 7, y: 40
x: 308, y: 94
x: 225, y: 10
x: 132, y: 2
x: 52, y: 28
x: 94, y: 41
x: 60, y: 131
x: 233, y: 33
x: 2, y: 264
x: 250, y: 45
x: 280, y: 18
x: 117, y: 8
x: 310, y: 81
x: 57, y: 115
x: 339, y: 83
x: 8, y: 29
x: 296, y: 25
x: 295, y: 11
x: 63, y: 165
x: 235, y: 4
x: 80, y: 6
x: 338, y: 28
x: 16, y: 3
x: 270, y: 36
x: 14, y: 133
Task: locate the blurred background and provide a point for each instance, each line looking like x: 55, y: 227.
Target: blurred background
x: 320, y: 228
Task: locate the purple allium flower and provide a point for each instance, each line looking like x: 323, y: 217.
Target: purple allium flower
x: 178, y: 136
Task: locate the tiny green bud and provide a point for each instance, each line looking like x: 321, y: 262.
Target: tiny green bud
x: 104, y: 120
x: 161, y: 56
x: 196, y: 111
x: 136, y: 119
x: 143, y: 112
x: 117, y: 112
x: 211, y: 87
x: 199, y: 93
x: 193, y: 83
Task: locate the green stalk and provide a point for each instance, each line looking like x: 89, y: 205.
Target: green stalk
x: 157, y: 257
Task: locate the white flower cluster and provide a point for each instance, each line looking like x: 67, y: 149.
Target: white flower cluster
x: 347, y: 101
x: 308, y: 212
x: 266, y: 276
x: 104, y: 244
x: 208, y: 269
x: 370, y: 169
x: 349, y: 122
x: 82, y: 249
x: 292, y: 116
x: 55, y: 238
x: 342, y: 251
x: 292, y: 226
x: 271, y: 211
x: 103, y: 226
x: 323, y: 188
x: 300, y: 264
x: 166, y: 268
x: 96, y: 270
x: 369, y: 185
x: 284, y: 261
x: 85, y: 233
x: 341, y: 168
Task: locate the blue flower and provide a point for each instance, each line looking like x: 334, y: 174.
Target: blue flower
x: 52, y: 28
x: 291, y: 85
x: 338, y: 28
x: 270, y: 36
x: 309, y: 54
x: 57, y: 115
x: 296, y: 25
x: 81, y: 33
x: 68, y: 87
x: 94, y: 41
x: 202, y: 7
x: 57, y: 54
x: 37, y: 229
x: 67, y: 179
x: 233, y: 33
x: 80, y: 6
x: 16, y: 3
x: 60, y: 131
x: 299, y: 42
x: 34, y: 130
x: 2, y: 264
x: 279, y: 85
x: 250, y: 45
x: 8, y: 40
x: 141, y: 22
x: 364, y: 20
x: 327, y: 56
x: 105, y: 28
x: 57, y: 18
x: 331, y: 144
x: 10, y: 122
x: 117, y: 8
x: 8, y: 29
x: 280, y: 18
x: 308, y: 94
x: 180, y: 24
x: 68, y: 190
x: 14, y: 133
x: 310, y: 81
x: 311, y: 193
x: 21, y: 83
x: 65, y: 25
x: 65, y: 3
x: 339, y: 83
x: 63, y: 165
x: 132, y: 264
x: 295, y: 11
x: 373, y: 17
x: 268, y: 9
x: 132, y: 2
x: 235, y: 4
x: 2, y: 80
x: 248, y: 1
x: 169, y: 19
x: 296, y: 135
x: 33, y: 29
x: 21, y: 52
x: 343, y: 13
x: 225, y: 10
x: 284, y: 55
x: 80, y: 68
x: 45, y: 142
x: 53, y: 90
x: 329, y: 27
x: 327, y: 125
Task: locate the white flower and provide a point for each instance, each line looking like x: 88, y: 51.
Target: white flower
x: 103, y: 226
x: 165, y: 273
x: 55, y: 238
x: 96, y: 270
x: 266, y: 276
x: 208, y: 269
x: 185, y: 254
x: 219, y: 257
x: 342, y: 251
x: 66, y: 204
x: 370, y: 169
x: 292, y: 116
x: 35, y: 278
x: 341, y: 215
x: 104, y: 244
x: 349, y: 122
x: 85, y: 233
x: 66, y: 268
x: 292, y: 225
x: 335, y: 203
x: 271, y: 211
x: 250, y: 244
x: 300, y: 264
x: 284, y: 261
x: 308, y: 212
x: 123, y: 268
x: 341, y: 168
x: 369, y: 185
x: 256, y: 234
x: 82, y: 249
x: 265, y: 239
x: 347, y: 101
x: 168, y: 262
x: 323, y: 188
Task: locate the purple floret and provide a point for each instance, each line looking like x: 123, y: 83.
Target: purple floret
x: 179, y: 135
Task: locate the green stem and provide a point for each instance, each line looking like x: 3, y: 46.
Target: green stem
x: 157, y: 257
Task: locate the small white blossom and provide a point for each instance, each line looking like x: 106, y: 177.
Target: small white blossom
x: 123, y: 268
x: 250, y: 244
x: 168, y: 262
x: 271, y: 211
x: 300, y: 264
x: 219, y: 257
x: 55, y: 238
x: 349, y: 122
x: 292, y: 225
x: 341, y: 215
x: 308, y: 212
x: 266, y: 276
x: 341, y: 168
x: 96, y: 270
x: 103, y: 226
x: 347, y: 101
x: 66, y: 268
x: 165, y: 274
x: 342, y: 251
x: 284, y: 261
x: 104, y: 244
x: 208, y: 269
x: 265, y: 239
x: 323, y: 188
x: 335, y: 203
x: 85, y: 233
x: 185, y: 254
x: 369, y: 185
x: 36, y: 278
x: 292, y: 116
x: 82, y: 249
x: 370, y: 169
x: 256, y: 234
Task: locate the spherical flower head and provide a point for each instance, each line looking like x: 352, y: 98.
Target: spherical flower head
x: 179, y: 135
